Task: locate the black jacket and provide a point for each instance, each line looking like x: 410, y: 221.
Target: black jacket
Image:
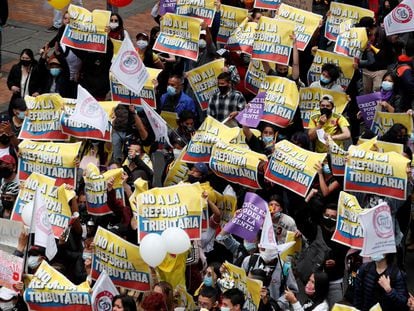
x: 35, y: 81
x: 4, y: 12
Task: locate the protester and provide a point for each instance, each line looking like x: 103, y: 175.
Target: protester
x: 231, y: 212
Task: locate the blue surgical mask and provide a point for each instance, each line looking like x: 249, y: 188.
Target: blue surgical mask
x: 55, y: 71
x: 277, y: 214
x: 142, y: 44
x: 208, y: 281
x: 33, y: 262
x: 326, y: 169
x: 387, y: 85
x: 224, y: 309
x: 249, y: 246
x: 267, y: 139
x: 202, y: 43
x: 21, y: 115
x: 324, y: 80
x: 171, y: 90
x: 377, y: 257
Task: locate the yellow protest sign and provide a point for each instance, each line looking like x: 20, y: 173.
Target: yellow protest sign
x: 201, y: 9
x: 117, y: 45
x: 293, y: 167
x: 175, y: 206
x: 340, y: 307
x: 310, y: 98
x: 251, y: 288
x: 384, y: 174
x: 240, y: 139
x: 340, y: 12
x: 121, y: 260
x: 281, y: 100
x: 56, y: 160
x: 321, y: 57
x: 50, y: 290
x: 348, y: 229
x: 255, y: 75
x: 338, y: 158
x: 230, y: 18
x: 86, y: 30
x: 272, y: 40
x: 140, y: 185
x: 242, y: 37
x: 352, y: 42
x: 172, y: 269
x: 42, y: 121
x: 236, y: 165
x: 57, y: 199
x: 179, y: 36
x: 171, y: 118
x: 295, y: 249
x: 210, y: 131
x: 96, y: 188
x: 227, y: 205
x: 383, y: 146
x: 121, y: 93
x: 177, y: 170
x: 306, y: 23
x: 383, y: 121
x: 203, y: 81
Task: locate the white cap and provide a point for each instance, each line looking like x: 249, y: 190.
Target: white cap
x: 7, y: 294
x: 203, y: 32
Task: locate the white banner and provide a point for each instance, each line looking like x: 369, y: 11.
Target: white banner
x: 128, y: 67
x: 400, y: 19
x: 103, y: 292
x: 378, y: 229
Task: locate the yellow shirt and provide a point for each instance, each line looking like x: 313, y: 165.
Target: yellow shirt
x: 332, y: 127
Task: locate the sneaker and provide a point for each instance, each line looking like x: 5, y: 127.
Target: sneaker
x: 53, y: 28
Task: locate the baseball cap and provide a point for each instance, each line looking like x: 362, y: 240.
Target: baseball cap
x: 202, y: 168
x: 203, y: 32
x: 8, y: 159
x: 327, y: 97
x: 141, y: 34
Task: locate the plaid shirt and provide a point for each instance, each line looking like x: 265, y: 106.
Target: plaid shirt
x: 220, y: 106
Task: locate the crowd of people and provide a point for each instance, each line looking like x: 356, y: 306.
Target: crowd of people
x: 340, y: 274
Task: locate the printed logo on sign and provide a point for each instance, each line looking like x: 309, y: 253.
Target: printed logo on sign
x: 129, y: 63
x: 42, y: 221
x: 382, y: 222
x: 402, y: 13
x: 90, y: 108
x: 104, y: 301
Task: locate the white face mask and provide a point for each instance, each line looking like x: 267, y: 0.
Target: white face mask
x: 33, y: 262
x: 176, y: 153
x: 113, y: 25
x: 142, y: 44
x: 224, y: 309
x: 202, y: 43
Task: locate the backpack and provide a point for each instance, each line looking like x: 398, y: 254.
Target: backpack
x: 312, y: 257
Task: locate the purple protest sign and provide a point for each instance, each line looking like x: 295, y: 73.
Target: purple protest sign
x: 248, y: 221
x: 167, y: 6
x: 252, y: 114
x: 367, y: 104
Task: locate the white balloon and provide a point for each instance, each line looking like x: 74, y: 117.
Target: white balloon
x: 27, y: 213
x: 152, y: 249
x: 177, y: 240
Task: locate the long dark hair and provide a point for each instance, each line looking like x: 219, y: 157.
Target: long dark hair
x: 321, y: 289
x: 128, y: 303
x: 29, y: 53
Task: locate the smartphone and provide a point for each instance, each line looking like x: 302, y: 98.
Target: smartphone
x: 4, y: 118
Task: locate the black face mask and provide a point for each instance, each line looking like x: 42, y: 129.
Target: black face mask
x: 5, y: 172
x: 282, y: 74
x: 326, y: 111
x: 4, y: 140
x: 329, y: 223
x: 192, y: 179
x: 7, y: 204
x: 223, y: 89
x: 26, y: 63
